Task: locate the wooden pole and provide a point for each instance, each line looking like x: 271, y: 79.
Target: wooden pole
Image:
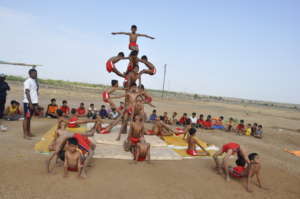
x: 163, y: 90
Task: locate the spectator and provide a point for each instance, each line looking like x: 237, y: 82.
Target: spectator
x: 72, y: 123
x: 208, y: 123
x: 13, y: 112
x: 92, y: 111
x: 218, y: 123
x: 200, y: 121
x: 259, y: 132
x: 183, y: 119
x: 113, y: 114
x: 103, y: 112
x: 4, y: 87
x: 193, y: 119
x: 166, y: 119
x: 253, y: 129
x: 240, y: 128
x: 51, y: 109
x: 174, y: 119
x: 65, y: 108
x: 153, y: 116
x: 31, y: 100
x: 81, y: 112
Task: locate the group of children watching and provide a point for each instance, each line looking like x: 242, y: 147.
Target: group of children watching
x: 211, y: 123
x: 81, y: 111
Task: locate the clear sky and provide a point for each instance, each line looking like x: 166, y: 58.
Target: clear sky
x: 235, y: 48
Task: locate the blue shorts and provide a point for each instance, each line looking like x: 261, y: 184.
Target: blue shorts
x: 218, y: 127
x: 27, y: 112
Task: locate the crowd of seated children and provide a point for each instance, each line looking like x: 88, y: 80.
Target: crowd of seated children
x: 103, y: 112
x: 92, y: 111
x: 81, y: 112
x: 65, y: 108
x: 51, y: 109
x: 13, y: 112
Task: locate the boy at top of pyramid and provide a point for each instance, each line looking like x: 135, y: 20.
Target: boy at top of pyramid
x: 133, y: 36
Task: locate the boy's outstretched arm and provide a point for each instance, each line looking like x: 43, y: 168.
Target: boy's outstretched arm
x: 120, y: 33
x: 144, y: 35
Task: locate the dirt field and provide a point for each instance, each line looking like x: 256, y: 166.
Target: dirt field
x: 23, y: 174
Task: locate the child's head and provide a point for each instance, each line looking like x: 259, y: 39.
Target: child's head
x: 121, y: 54
x: 133, y: 28
x: 102, y: 106
x: 81, y: 105
x: 231, y: 119
x: 133, y: 53
x: 221, y: 118
x: 154, y: 111
x: 113, y: 109
x: 72, y: 144
x: 165, y: 114
x: 201, y: 116
x: 92, y: 105
x: 208, y: 117
x: 64, y: 102
x: 249, y: 125
x: 241, y: 121
x: 73, y: 111
x: 136, y: 68
x: 114, y: 83
x: 133, y: 87
x: 240, y: 162
x: 144, y: 57
x: 184, y: 114
x: 59, y: 112
x: 192, y: 131
x: 194, y: 114
x: 253, y: 157
x: 188, y: 121
x: 138, y: 118
x: 13, y: 103
x: 259, y: 127
x: 53, y: 101
x: 174, y: 114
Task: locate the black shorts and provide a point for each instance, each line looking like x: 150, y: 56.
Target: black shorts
x: 27, y: 112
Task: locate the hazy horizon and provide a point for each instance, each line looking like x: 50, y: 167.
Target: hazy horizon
x: 238, y: 49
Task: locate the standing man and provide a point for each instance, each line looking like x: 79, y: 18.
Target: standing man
x: 30, y: 101
x: 3, y: 92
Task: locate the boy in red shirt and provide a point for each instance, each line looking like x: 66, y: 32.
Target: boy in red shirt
x: 81, y: 112
x: 240, y: 128
x: 65, y: 108
x: 183, y: 119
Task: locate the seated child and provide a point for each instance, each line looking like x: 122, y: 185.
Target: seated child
x: 103, y: 112
x: 142, y: 151
x: 200, y: 121
x: 65, y: 108
x: 174, y: 119
x: 193, y: 142
x: 253, y: 129
x: 248, y: 130
x: 166, y: 118
x: 183, y: 119
x: 92, y: 111
x: 218, y: 123
x: 39, y: 112
x: 113, y: 114
x: 160, y: 128
x: 73, y: 157
x: 73, y: 119
x: 208, y: 123
x: 240, y: 128
x: 229, y: 124
x: 259, y: 132
x: 81, y: 112
x: 153, y: 116
x: 13, y: 112
x: 193, y: 119
x: 51, y: 109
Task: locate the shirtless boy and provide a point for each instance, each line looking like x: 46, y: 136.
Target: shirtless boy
x: 133, y: 36
x: 193, y: 142
x: 151, y: 68
x: 142, y: 151
x: 160, y: 128
x: 107, y: 92
x: 136, y: 132
x: 188, y: 126
x: 110, y: 64
x: 73, y: 157
x: 230, y: 149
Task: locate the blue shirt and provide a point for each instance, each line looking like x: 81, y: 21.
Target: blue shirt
x: 153, y: 117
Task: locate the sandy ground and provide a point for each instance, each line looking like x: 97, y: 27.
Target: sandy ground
x: 23, y: 173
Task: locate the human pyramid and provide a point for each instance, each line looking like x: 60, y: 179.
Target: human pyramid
x: 135, y: 97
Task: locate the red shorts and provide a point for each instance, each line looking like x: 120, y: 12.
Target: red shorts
x: 148, y: 99
x: 234, y: 146
x: 109, y: 66
x: 105, y: 96
x: 141, y: 158
x: 134, y: 140
x: 129, y: 68
x: 129, y: 111
x: 150, y: 132
x: 191, y: 152
x: 72, y: 169
x: 83, y: 142
x: 134, y: 44
x: 237, y: 171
